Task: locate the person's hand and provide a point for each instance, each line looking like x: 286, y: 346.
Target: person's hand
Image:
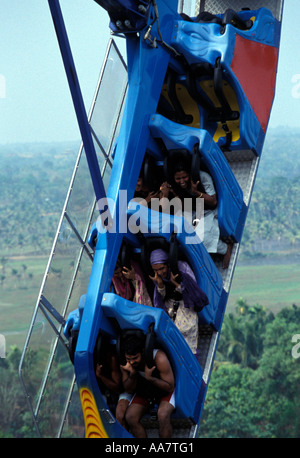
x: 148, y: 372
x: 173, y: 280
x: 128, y: 368
x: 165, y: 188
x: 98, y: 370
x: 194, y: 187
x: 157, y: 279
x: 128, y: 273
x: 151, y: 195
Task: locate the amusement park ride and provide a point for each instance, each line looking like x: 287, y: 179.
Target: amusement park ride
x: 199, y: 82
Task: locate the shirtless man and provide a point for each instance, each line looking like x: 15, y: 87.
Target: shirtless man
x: 148, y: 383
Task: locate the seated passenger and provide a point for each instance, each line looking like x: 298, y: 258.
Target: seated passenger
x: 109, y: 378
x: 155, y: 383
x: 142, y: 192
x: 184, y: 187
x: 107, y: 369
x: 182, y: 300
x: 130, y: 284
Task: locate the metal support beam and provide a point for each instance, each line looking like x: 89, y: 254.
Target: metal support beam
x: 82, y: 119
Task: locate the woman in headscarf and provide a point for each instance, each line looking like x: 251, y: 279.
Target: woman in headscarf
x: 179, y: 295
x: 130, y: 284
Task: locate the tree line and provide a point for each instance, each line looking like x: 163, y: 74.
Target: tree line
x: 33, y: 187
x: 274, y: 215
x: 254, y: 391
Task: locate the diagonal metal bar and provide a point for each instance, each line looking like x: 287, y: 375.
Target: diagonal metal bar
x: 52, y: 310
x: 76, y: 94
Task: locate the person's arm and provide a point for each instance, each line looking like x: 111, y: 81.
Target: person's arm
x: 160, y: 290
x: 209, y: 195
x: 166, y: 382
x: 165, y: 190
x: 158, y: 280
x: 210, y: 201
x: 128, y: 378
x: 165, y: 196
x: 113, y: 383
x: 116, y: 374
x: 151, y: 195
x: 130, y: 274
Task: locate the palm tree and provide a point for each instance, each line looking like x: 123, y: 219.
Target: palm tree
x: 241, y: 340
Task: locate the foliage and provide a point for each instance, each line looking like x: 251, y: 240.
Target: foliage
x: 254, y: 389
x: 242, y: 335
x: 274, y: 213
x: 34, y: 180
x: 14, y: 419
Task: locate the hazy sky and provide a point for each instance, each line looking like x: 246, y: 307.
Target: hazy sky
x: 35, y: 102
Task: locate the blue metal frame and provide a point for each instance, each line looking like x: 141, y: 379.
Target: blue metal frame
x: 78, y: 103
x: 148, y: 60
x: 133, y: 18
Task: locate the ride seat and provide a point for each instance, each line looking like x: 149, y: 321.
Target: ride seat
x: 231, y: 48
x: 187, y: 371
x: 199, y: 143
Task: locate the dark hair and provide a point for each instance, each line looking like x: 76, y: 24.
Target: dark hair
x: 181, y: 167
x: 133, y: 345
x: 183, y: 193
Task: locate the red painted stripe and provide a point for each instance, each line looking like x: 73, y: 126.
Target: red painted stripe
x: 255, y: 66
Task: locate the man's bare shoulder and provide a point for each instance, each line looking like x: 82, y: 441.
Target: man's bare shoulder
x: 161, y: 358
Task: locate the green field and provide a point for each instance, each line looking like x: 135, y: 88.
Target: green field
x: 273, y: 286
x: 19, y: 292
